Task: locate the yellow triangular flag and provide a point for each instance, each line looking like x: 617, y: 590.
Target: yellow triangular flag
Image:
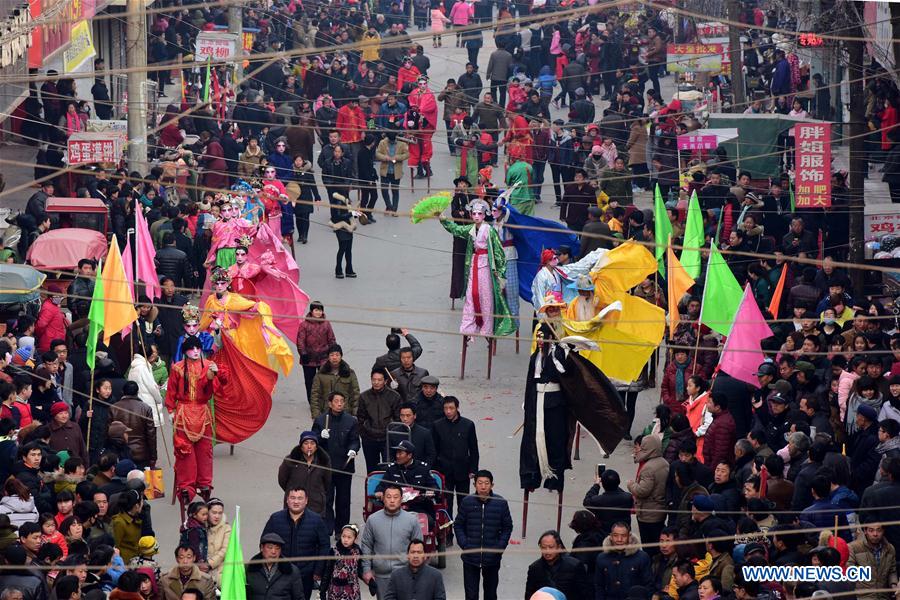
x: 679, y: 282
x: 118, y: 301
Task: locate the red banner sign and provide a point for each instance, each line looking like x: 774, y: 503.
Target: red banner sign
x: 93, y: 151
x: 812, y: 158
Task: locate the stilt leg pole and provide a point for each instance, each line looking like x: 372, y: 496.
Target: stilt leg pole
x: 491, y: 349
x: 525, y: 515
x: 577, y: 441
x: 462, y: 363
x: 559, y: 502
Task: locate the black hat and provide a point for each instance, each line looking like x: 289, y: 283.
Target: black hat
x: 462, y: 179
x: 766, y: 368
x: 406, y: 446
x: 271, y: 538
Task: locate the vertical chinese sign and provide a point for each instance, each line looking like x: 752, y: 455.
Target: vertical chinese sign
x: 812, y: 161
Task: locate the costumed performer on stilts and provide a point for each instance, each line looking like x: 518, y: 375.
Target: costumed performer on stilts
x: 460, y: 214
x: 243, y: 272
x: 226, y: 231
x: 248, y: 323
x: 500, y: 212
x: 485, y: 271
x: 192, y: 383
x: 552, y: 277
x: 190, y: 314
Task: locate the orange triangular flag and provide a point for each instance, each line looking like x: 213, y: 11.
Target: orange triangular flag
x: 118, y: 300
x: 779, y: 290
x: 679, y: 282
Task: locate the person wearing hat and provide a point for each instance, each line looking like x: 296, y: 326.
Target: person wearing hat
x: 485, y: 311
x: 864, y: 459
x: 64, y: 433
x: 147, y: 549
x: 269, y: 577
x: 406, y: 471
x: 585, y: 305
x: 551, y: 276
x: 429, y: 403
x: 307, y: 466
x: 771, y: 414
x: 422, y: 99
x: 460, y: 214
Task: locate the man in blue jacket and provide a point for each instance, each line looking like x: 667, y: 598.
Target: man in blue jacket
x: 304, y: 534
x: 483, y: 522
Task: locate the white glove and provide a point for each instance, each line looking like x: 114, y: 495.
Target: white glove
x: 351, y: 454
x: 324, y: 434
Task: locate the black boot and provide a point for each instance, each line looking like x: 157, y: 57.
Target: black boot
x: 205, y: 493
x: 428, y: 170
x: 420, y: 172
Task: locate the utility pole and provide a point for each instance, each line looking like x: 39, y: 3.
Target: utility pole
x: 236, y: 26
x: 856, y: 49
x: 136, y: 61
x: 737, y: 57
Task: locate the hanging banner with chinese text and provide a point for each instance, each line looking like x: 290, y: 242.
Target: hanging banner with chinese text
x: 812, y: 156
x: 693, y: 58
x: 217, y: 46
x: 81, y: 47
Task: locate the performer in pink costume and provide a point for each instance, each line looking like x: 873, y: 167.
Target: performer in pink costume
x: 226, y: 232
x: 243, y: 272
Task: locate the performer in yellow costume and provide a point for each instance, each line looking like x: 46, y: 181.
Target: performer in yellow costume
x: 254, y: 335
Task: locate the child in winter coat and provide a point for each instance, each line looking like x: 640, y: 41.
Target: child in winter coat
x: 50, y: 534
x: 193, y: 533
x: 438, y: 22
x: 341, y: 580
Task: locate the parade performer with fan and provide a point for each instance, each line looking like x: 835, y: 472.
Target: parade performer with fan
x: 485, y: 311
x: 552, y: 278
x: 190, y: 314
x: 255, y: 335
x: 562, y: 388
x: 192, y: 383
x: 243, y: 272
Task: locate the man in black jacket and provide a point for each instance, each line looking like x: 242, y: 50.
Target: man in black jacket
x: 557, y: 569
x: 100, y: 93
x: 470, y: 83
x: 406, y: 471
x: 456, y: 444
x: 270, y: 578
x: 338, y: 434
x: 418, y: 435
x: 429, y: 403
x: 170, y: 317
x: 304, y: 534
x: 613, y: 505
x: 172, y: 262
x: 391, y: 359
x: 482, y: 521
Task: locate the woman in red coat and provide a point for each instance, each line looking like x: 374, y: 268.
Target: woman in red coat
x: 889, y: 120
x: 51, y: 323
x: 215, y: 175
x: 314, y: 338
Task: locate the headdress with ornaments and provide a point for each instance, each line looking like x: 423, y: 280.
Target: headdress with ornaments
x: 551, y: 300
x: 190, y: 313
x: 244, y: 187
x: 220, y: 275
x: 236, y: 201
x: 244, y: 242
x: 478, y: 205
x: 547, y: 255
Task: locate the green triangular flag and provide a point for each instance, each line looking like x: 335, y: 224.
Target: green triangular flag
x: 694, y: 239
x: 662, y: 231
x: 234, y: 578
x: 208, y: 83
x: 723, y: 292
x: 95, y: 319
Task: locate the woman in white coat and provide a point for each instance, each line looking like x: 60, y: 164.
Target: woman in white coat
x: 140, y: 373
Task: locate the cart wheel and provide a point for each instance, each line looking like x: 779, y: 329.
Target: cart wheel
x: 441, y: 557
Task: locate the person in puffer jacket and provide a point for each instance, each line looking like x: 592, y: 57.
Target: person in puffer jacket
x: 619, y: 569
x: 649, y: 488
x: 483, y: 521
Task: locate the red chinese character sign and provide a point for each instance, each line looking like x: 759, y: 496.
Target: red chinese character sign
x: 216, y: 46
x: 85, y: 148
x: 812, y: 160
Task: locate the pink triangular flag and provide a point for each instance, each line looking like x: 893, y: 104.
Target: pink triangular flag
x: 128, y: 263
x: 742, y: 353
x: 146, y: 267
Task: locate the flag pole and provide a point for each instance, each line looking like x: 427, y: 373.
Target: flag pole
x: 90, y: 414
x: 699, y: 324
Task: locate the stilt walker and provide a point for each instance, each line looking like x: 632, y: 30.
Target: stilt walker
x: 485, y: 311
x: 192, y: 383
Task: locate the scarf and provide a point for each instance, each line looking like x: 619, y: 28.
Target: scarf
x: 679, y: 378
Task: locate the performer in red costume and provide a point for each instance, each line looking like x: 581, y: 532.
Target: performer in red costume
x: 192, y: 383
x: 423, y: 100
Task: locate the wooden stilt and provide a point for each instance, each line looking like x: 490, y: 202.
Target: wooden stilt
x: 462, y: 364
x: 525, y: 515
x: 559, y: 501
x: 452, y: 303
x: 494, y: 346
x: 577, y: 441
x: 517, y: 340
x: 231, y: 450
x: 412, y: 178
x: 428, y: 180
x: 492, y: 343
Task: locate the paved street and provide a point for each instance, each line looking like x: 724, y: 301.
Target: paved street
x: 403, y: 281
